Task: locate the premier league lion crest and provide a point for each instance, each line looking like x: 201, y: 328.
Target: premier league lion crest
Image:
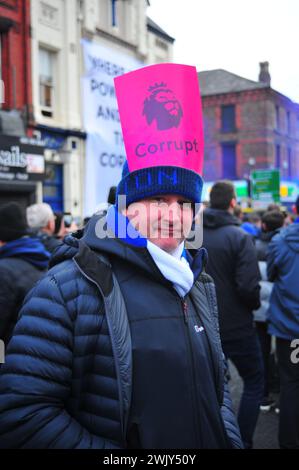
x: 163, y: 107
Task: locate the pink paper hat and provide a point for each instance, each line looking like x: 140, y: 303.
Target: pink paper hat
x: 161, y: 119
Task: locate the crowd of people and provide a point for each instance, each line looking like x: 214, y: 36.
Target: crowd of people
x: 27, y: 240
x: 254, y: 265
x: 119, y: 334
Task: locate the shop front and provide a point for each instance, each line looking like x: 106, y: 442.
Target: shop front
x: 22, y: 169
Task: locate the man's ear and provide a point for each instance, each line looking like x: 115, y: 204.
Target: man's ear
x: 233, y: 203
x: 51, y: 225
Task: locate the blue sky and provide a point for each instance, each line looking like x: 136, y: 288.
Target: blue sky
x: 235, y: 35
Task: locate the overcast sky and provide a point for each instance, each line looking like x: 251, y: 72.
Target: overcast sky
x: 235, y: 35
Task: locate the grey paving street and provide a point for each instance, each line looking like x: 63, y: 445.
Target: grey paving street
x: 266, y: 432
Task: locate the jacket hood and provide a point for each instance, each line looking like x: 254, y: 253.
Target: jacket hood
x: 107, y: 245
x: 291, y: 236
x: 29, y: 249
x: 128, y: 245
x: 215, y: 218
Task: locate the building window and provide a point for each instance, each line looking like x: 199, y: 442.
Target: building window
x: 289, y: 122
x: 228, y: 118
x: 277, y: 157
x: 46, y: 82
x: 229, y: 160
x: 161, y: 44
x: 113, y: 12
x: 277, y: 117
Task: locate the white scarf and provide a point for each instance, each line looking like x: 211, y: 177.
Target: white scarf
x: 174, y: 267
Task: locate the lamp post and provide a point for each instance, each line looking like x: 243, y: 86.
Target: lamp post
x: 251, y: 163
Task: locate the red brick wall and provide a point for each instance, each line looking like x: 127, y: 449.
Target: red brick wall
x: 16, y: 56
x: 256, y: 134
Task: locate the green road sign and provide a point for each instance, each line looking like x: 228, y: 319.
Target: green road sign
x: 265, y: 186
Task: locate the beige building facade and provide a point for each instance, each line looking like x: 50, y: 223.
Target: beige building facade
x: 57, y: 28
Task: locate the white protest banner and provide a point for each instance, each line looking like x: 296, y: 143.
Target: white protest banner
x: 105, y: 153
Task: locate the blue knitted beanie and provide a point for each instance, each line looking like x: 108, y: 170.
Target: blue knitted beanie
x: 148, y: 182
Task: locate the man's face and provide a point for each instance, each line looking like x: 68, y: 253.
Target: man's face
x: 165, y: 220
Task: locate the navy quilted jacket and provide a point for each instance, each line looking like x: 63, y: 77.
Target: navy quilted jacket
x: 67, y: 381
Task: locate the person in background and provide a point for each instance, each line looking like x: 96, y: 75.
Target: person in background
x: 289, y: 218
x: 272, y: 221
x: 238, y: 213
x: 70, y: 223
x: 111, y: 195
x: 283, y: 317
x: 273, y: 207
x: 234, y: 268
x: 60, y: 229
x: 253, y: 225
x: 41, y: 220
x: 23, y: 260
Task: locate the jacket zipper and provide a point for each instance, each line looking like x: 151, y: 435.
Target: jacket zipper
x: 186, y: 321
x: 220, y: 370
x: 185, y: 310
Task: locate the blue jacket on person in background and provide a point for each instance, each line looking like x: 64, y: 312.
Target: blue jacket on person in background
x: 103, y: 356
x: 283, y: 270
x: 261, y: 246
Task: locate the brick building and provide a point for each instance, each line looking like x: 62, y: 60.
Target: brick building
x: 247, y: 126
x: 15, y: 65
x: 21, y: 160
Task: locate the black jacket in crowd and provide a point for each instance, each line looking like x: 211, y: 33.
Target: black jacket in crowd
x: 262, y: 244
x: 22, y: 263
x: 233, y: 266
x: 49, y: 241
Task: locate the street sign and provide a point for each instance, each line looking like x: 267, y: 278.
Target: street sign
x: 265, y: 187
